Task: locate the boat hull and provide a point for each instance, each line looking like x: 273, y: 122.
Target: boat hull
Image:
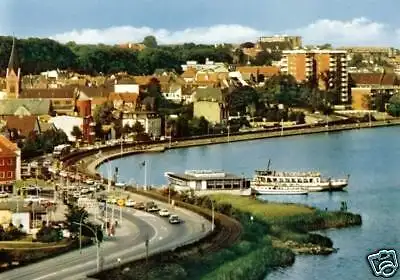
x: 279, y: 192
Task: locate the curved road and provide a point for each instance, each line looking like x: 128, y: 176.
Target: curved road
x: 128, y: 245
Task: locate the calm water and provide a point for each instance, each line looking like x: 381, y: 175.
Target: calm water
x: 371, y: 157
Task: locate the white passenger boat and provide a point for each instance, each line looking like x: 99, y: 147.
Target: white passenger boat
x: 259, y: 188
x: 311, y: 181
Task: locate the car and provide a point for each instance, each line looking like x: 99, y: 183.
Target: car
x: 163, y: 213
x: 89, y: 182
x: 120, y: 185
x: 3, y: 195
x: 139, y: 205
x: 84, y: 190
x: 151, y: 207
x: 174, y: 219
x: 130, y: 203
x: 32, y: 198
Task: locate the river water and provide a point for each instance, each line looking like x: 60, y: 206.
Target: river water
x: 370, y: 156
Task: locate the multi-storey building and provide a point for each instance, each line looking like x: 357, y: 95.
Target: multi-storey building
x: 323, y: 69
x: 281, y: 42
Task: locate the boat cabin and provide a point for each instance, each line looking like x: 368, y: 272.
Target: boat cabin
x: 201, y: 180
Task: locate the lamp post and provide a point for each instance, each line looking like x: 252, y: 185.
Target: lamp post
x: 97, y: 244
x: 80, y: 232
x: 109, y: 177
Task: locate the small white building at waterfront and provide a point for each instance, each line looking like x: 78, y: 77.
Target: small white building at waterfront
x: 204, y: 182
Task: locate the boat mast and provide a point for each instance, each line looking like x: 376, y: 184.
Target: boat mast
x: 269, y: 164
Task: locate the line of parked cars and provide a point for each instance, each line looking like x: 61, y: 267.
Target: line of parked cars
x: 150, y: 207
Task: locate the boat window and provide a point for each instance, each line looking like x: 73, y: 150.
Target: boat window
x: 269, y: 180
x: 311, y: 180
x: 293, y: 180
x: 287, y: 180
x: 299, y: 181
x: 275, y: 179
x: 281, y: 180
x: 305, y: 180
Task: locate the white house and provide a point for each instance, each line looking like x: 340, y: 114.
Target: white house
x: 126, y: 88
x: 173, y: 93
x: 151, y: 122
x: 66, y: 124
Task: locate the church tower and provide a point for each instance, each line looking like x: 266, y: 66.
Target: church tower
x: 13, y: 76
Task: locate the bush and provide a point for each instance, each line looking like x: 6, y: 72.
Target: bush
x: 49, y: 234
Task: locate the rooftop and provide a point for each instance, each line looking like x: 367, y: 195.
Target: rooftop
x: 200, y: 175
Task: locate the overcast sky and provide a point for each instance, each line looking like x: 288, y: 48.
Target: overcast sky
x: 340, y: 22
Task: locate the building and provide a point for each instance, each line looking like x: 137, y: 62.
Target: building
x: 22, y: 126
x: 325, y: 69
x: 84, y: 110
x: 24, y: 107
x: 208, y: 65
x: 210, y: 103
x: 150, y: 121
x: 257, y: 73
x: 373, y: 90
x: 208, y: 181
x: 281, y: 42
x: 13, y: 76
x: 10, y: 162
x: 370, y: 51
x: 66, y: 124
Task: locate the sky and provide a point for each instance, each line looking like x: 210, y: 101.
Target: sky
x: 339, y: 22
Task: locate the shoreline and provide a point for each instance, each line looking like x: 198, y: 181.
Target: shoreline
x: 114, y: 152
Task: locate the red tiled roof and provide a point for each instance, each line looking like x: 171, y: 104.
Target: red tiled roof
x: 267, y: 71
x: 7, y: 148
x: 24, y: 124
x: 51, y: 93
x: 384, y: 79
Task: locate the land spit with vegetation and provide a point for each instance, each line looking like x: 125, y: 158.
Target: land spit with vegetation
x: 270, y: 236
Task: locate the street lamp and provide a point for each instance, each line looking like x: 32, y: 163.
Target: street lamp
x: 97, y: 244
x: 80, y: 232
x: 109, y: 176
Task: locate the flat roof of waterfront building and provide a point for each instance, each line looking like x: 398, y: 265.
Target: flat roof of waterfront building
x: 201, y: 175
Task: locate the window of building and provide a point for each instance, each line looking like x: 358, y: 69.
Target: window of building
x: 1, y: 162
x: 9, y: 174
x: 10, y: 162
x: 2, y: 175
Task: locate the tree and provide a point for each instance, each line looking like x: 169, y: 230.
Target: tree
x: 77, y: 133
x: 394, y: 106
x: 241, y: 99
x: 357, y: 61
x: 263, y: 58
x: 138, y: 128
x: 247, y: 45
x: 150, y: 41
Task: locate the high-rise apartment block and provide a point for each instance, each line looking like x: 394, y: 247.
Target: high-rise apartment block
x: 324, y: 69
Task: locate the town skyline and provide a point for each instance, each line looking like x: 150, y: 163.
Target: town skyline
x: 319, y: 22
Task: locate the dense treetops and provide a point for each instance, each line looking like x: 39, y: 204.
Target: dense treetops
x: 37, y: 55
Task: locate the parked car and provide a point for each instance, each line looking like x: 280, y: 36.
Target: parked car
x: 130, y: 203
x: 3, y: 195
x: 164, y: 213
x: 89, y: 182
x: 139, y: 205
x: 151, y: 207
x: 174, y: 219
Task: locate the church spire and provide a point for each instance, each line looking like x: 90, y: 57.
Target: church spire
x: 13, y: 62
